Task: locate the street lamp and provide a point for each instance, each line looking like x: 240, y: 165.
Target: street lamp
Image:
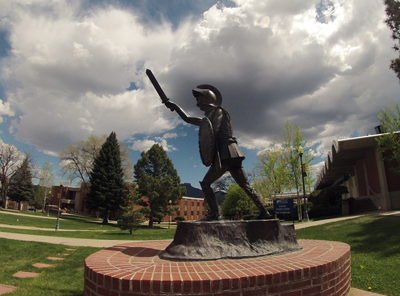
x: 169, y: 213
x: 59, y: 204
x: 303, y: 174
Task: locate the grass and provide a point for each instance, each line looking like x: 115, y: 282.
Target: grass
x: 86, y: 228
x: 375, y: 250
x: 63, y: 278
x: 374, y: 241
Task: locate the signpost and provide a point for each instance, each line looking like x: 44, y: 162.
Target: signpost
x: 284, y: 206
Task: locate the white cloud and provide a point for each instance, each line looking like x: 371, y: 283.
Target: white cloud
x: 146, y: 144
x: 68, y: 70
x: 5, y: 110
x: 143, y: 145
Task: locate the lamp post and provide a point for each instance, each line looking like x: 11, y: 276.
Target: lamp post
x: 169, y: 213
x: 303, y: 174
x: 59, y: 204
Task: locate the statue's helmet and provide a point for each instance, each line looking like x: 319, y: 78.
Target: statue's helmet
x: 210, y: 95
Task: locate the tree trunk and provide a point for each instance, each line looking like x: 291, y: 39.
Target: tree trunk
x: 105, y: 217
x: 4, y: 193
x: 299, y: 207
x: 151, y: 220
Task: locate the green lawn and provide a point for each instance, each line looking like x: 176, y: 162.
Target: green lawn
x: 375, y: 250
x: 374, y: 241
x: 88, y: 228
x: 63, y: 278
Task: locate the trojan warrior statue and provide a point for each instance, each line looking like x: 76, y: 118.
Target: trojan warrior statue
x: 218, y: 147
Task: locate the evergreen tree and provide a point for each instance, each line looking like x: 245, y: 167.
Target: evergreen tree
x: 158, y: 181
x: 393, y: 22
x: 107, y: 188
x: 21, y: 187
x: 131, y: 218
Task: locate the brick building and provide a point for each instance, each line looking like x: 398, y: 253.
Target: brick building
x: 357, y: 164
x: 191, y: 208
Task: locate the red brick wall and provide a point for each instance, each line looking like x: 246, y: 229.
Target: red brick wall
x: 321, y: 268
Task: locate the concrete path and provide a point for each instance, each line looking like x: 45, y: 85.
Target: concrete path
x: 76, y: 242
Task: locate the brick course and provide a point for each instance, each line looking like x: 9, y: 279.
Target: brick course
x: 134, y: 269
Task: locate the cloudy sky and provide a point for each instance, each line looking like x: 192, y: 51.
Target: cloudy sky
x: 73, y: 68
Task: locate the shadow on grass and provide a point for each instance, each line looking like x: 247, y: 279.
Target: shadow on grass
x: 380, y: 236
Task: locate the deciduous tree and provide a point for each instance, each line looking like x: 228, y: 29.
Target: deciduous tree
x: 278, y: 169
x: 292, y: 140
x: 158, y: 181
x: 236, y: 202
x: 272, y: 171
x: 107, y: 189
x: 46, y: 180
x: 10, y: 159
x: 389, y: 142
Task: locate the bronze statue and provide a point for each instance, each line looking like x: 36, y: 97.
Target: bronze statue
x: 218, y: 146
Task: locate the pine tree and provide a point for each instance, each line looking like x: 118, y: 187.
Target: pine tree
x: 21, y: 187
x: 131, y: 218
x: 107, y: 188
x: 393, y: 21
x: 158, y: 181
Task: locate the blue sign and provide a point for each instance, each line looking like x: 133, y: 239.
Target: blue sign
x: 283, y: 206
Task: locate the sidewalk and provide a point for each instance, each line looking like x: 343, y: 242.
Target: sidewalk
x: 321, y: 222
x: 76, y: 242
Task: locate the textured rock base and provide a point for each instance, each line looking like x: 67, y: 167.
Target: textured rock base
x: 135, y: 269
x: 230, y: 239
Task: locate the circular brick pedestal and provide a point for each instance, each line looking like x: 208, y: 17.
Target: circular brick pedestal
x: 133, y: 269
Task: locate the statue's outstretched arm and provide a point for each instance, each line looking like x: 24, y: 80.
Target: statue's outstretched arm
x: 187, y: 118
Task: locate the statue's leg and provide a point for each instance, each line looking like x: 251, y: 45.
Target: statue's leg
x: 212, y: 175
x: 240, y: 177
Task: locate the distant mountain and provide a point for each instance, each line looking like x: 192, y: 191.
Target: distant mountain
x: 193, y: 191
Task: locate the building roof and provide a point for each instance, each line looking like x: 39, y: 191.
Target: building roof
x: 193, y: 192
x: 342, y: 158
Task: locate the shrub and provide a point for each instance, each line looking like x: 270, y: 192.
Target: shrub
x: 179, y: 218
x: 130, y: 221
x: 249, y: 217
